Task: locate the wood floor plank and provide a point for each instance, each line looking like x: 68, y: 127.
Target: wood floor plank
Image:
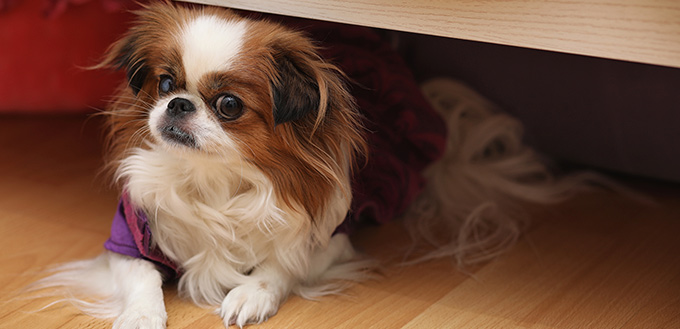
x: 598, y: 261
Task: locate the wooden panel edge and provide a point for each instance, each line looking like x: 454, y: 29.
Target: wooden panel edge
x: 633, y: 30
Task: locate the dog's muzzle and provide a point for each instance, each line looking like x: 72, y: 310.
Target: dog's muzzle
x: 173, y: 126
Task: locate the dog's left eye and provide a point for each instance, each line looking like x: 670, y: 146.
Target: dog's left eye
x: 228, y: 107
x: 166, y: 84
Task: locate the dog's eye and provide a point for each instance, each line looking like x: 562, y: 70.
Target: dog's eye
x: 228, y: 107
x: 166, y: 84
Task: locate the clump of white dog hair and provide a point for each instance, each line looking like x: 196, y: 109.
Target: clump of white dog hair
x: 93, y: 285
x: 471, y: 208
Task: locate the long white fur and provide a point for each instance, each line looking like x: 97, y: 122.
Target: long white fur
x: 111, y: 286
x: 217, y: 222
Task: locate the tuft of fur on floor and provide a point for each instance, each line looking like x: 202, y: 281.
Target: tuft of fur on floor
x: 472, y: 206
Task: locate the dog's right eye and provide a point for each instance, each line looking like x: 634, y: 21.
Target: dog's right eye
x: 166, y: 84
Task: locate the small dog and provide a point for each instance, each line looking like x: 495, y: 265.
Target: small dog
x: 234, y: 144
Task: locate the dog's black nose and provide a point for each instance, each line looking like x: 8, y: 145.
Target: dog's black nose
x: 180, y: 106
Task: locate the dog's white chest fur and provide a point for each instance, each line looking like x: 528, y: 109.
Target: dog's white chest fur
x: 216, y: 219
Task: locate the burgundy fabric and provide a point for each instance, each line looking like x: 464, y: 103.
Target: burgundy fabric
x: 404, y: 135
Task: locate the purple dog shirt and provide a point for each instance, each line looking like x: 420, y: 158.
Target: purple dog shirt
x: 130, y: 235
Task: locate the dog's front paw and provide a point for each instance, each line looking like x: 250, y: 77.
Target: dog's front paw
x: 141, y: 318
x: 248, y: 304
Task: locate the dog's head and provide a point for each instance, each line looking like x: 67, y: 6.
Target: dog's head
x: 208, y: 83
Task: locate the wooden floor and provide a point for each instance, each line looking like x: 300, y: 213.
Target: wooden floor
x: 599, y: 261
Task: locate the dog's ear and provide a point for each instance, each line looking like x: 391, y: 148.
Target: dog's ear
x: 125, y: 55
x: 296, y: 91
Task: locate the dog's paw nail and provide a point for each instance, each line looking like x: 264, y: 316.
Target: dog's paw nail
x: 248, y: 304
